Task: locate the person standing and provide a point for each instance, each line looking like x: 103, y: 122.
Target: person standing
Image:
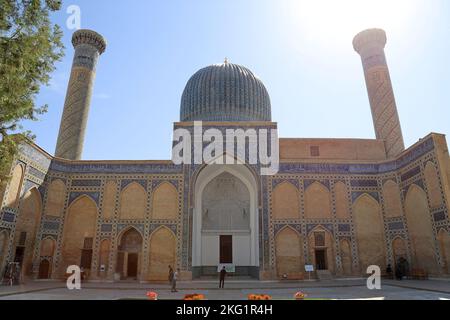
x: 223, y: 273
x: 174, y: 280
x: 170, y: 275
x: 389, y: 271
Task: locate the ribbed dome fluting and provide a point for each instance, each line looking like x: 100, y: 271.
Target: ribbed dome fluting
x: 225, y: 92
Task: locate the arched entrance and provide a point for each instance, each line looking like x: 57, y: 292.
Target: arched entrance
x: 369, y: 233
x: 225, y: 226
x: 48, y: 246
x: 289, y: 254
x: 27, y: 225
x: 321, y: 249
x: 44, y: 269
x: 129, y: 255
x: 420, y: 230
x: 4, y: 239
x: 79, y: 232
x: 399, y: 250
x: 346, y: 257
x: 163, y: 246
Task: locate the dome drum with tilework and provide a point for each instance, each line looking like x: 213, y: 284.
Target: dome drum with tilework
x: 225, y: 92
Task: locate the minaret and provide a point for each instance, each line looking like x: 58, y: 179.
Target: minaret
x: 88, y: 45
x: 370, y: 46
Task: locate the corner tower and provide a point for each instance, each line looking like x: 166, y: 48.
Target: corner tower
x: 88, y: 45
x: 370, y: 46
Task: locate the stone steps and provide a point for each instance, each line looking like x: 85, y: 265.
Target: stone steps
x: 324, y: 275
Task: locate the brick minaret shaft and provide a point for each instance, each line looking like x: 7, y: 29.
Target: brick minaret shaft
x: 88, y: 45
x: 370, y: 46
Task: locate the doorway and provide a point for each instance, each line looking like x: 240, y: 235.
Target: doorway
x: 226, y: 249
x: 321, y: 259
x: 20, y: 254
x: 132, y: 265
x: 225, y: 203
x: 44, y: 269
x: 128, y: 255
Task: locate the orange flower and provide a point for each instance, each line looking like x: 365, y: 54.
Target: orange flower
x: 300, y: 296
x: 259, y: 297
x: 152, y: 295
x: 194, y: 296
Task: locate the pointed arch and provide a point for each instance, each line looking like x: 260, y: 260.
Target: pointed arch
x: 317, y: 201
x: 127, y: 230
x: 286, y: 201
x: 444, y: 246
x: 432, y: 181
x: 15, y: 186
x: 369, y: 229
x: 399, y: 249
x: 392, y: 200
x: 248, y: 252
x: 130, y: 238
x: 48, y: 246
x: 226, y: 203
x: 45, y: 269
x: 27, y: 227
x: 129, y: 256
x: 109, y: 200
x: 320, y: 238
x: 163, y: 247
x: 346, y: 257
x: 289, y: 253
x: 165, y: 202
x: 420, y: 229
x: 103, y: 257
x: 80, y: 225
x: 200, y: 173
x: 342, y: 201
x: 318, y: 228
x: 56, y: 197
x: 133, y: 202
x: 47, y: 252
x: 4, y: 244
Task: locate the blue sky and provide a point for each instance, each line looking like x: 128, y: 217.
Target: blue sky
x: 302, y: 50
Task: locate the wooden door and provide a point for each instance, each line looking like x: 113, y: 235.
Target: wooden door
x: 132, y: 266
x: 226, y: 249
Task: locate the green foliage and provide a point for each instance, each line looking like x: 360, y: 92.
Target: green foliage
x: 30, y: 45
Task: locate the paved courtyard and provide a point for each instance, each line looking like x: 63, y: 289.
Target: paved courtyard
x: 235, y: 290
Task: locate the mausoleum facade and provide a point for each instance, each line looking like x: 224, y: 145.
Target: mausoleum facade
x: 340, y: 205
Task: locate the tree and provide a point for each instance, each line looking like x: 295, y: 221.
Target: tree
x: 30, y: 45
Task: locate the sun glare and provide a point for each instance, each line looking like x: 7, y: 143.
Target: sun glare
x: 337, y: 21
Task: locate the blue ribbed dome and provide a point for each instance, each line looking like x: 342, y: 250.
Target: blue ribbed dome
x: 225, y: 92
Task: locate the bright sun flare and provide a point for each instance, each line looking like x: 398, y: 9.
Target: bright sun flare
x: 340, y: 20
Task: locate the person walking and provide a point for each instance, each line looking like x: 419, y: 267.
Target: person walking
x: 223, y: 273
x: 174, y: 280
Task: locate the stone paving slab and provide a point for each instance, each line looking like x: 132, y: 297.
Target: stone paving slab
x: 334, y: 289
x: 428, y: 285
x: 339, y: 293
x: 30, y: 287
